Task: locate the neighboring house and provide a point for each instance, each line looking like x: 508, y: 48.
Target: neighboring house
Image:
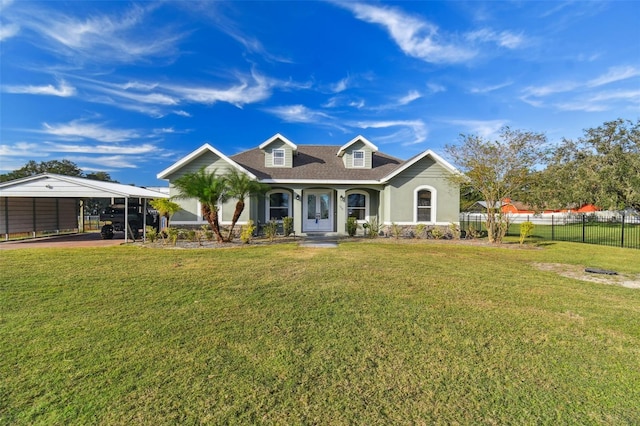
x: 508, y: 206
x: 320, y: 186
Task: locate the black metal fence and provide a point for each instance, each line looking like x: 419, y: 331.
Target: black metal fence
x: 619, y: 229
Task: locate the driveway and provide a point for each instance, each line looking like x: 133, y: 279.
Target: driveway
x: 89, y: 239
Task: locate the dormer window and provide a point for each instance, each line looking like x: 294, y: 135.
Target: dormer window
x: 278, y: 157
x: 358, y: 158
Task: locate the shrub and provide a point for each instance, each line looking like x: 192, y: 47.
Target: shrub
x: 396, y: 230
x: 152, y: 234
x: 525, y: 230
x: 172, y: 234
x: 270, y: 229
x: 455, y: 231
x: 287, y: 226
x: 437, y: 233
x: 207, y: 232
x: 246, y: 232
x: 420, y: 230
x: 352, y: 226
x: 371, y: 229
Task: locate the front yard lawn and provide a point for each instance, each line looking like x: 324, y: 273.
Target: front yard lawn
x: 379, y: 332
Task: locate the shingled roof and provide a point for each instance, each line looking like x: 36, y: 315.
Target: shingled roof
x: 316, y: 162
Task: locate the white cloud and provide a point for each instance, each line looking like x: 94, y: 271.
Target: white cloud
x: 100, y: 149
x: 409, y: 97
x: 613, y: 75
x: 436, y: 88
x: 340, y: 86
x: 488, y: 89
x: 63, y: 90
x: 482, y: 128
x: 8, y: 30
x: 297, y: 114
x: 602, y: 101
x: 417, y: 130
x: 249, y: 90
x: 20, y: 149
x: 99, y: 37
x: 78, y: 129
x: 503, y: 39
x: 580, y: 98
x: 109, y: 161
x: 416, y: 37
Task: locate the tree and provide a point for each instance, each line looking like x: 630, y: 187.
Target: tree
x: 497, y: 170
x: 60, y: 167
x: 239, y: 187
x: 103, y: 176
x: 165, y: 208
x: 602, y: 168
x: 208, y: 188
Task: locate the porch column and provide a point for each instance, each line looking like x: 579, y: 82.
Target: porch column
x: 341, y: 216
x: 297, y: 210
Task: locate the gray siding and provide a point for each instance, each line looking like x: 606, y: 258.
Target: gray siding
x: 278, y: 144
x: 347, y: 158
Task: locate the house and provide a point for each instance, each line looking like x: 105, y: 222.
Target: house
x: 320, y: 186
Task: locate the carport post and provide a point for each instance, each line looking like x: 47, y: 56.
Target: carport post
x: 126, y: 220
x: 144, y: 221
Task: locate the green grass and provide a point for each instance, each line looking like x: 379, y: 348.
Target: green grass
x: 368, y: 333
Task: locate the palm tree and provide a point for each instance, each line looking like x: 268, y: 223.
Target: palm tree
x: 208, y: 188
x: 240, y: 186
x: 165, y: 207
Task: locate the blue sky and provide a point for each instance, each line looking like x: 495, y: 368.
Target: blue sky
x: 129, y: 88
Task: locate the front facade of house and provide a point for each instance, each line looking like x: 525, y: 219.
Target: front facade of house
x: 320, y: 186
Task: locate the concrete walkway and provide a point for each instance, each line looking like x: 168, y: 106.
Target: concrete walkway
x: 319, y: 242
x: 88, y: 239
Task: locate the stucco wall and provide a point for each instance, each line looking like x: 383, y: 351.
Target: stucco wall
x: 190, y: 211
x: 401, y: 193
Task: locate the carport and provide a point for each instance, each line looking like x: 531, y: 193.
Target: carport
x: 50, y: 202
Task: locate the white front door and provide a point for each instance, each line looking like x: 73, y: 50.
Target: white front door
x: 317, y: 211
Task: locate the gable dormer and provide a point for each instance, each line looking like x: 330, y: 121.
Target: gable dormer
x: 357, y: 153
x: 278, y: 151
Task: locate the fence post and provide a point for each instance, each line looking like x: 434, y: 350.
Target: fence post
x: 622, y: 234
x: 553, y: 235
x: 583, y: 226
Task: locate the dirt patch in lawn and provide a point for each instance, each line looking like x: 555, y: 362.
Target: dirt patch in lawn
x: 578, y: 272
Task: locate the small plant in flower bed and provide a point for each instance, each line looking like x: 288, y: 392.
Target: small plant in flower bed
x: 207, y: 232
x: 371, y: 229
x: 396, y: 230
x: 270, y: 229
x: 246, y: 233
x: 352, y: 226
x: 152, y: 234
x: 525, y: 230
x: 287, y: 226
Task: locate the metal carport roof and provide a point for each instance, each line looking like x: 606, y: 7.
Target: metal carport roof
x: 53, y: 185
x: 50, y: 185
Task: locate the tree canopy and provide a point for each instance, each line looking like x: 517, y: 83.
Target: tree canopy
x: 601, y: 168
x: 497, y: 169
x: 61, y: 167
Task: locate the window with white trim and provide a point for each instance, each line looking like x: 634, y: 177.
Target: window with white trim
x: 357, y: 205
x: 278, y: 157
x: 423, y: 204
x: 358, y: 158
x: 278, y: 205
